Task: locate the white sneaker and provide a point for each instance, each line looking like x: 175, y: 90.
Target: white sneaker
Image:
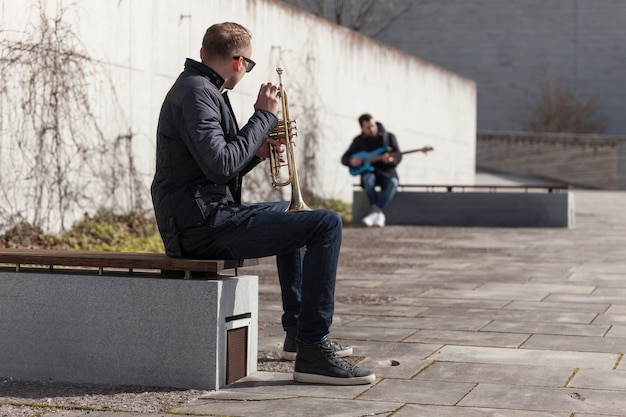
x: 380, y: 220
x: 371, y: 219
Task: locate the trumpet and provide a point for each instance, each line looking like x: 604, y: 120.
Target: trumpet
x: 285, y: 131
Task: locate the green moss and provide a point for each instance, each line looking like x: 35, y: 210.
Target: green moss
x: 342, y: 208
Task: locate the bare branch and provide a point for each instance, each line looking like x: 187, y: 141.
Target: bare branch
x: 372, y: 17
x: 557, y: 107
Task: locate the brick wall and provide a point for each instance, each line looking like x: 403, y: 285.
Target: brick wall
x: 507, y: 46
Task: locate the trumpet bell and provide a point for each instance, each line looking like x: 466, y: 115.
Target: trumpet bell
x: 280, y: 162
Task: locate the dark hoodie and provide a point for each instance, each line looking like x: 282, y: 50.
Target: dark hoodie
x: 368, y: 144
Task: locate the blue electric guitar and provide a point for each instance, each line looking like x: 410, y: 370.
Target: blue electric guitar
x: 377, y: 155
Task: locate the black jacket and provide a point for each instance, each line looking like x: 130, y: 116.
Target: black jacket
x: 201, y: 157
x: 368, y: 144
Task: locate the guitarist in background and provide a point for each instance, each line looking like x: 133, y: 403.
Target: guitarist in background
x: 380, y: 173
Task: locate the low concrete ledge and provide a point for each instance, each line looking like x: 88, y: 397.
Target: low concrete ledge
x: 489, y: 206
x: 138, y: 330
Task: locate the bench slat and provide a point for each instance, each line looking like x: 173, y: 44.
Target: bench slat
x: 125, y: 260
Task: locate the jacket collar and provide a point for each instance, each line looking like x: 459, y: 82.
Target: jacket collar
x: 200, y: 68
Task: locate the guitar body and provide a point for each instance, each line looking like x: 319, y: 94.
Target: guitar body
x: 373, y: 156
x: 367, y: 165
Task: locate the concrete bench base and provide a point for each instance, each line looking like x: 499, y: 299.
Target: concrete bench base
x: 135, y: 330
x: 476, y: 208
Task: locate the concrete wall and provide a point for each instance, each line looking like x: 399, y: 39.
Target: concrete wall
x: 475, y: 208
x: 507, y: 46
x: 126, y: 330
x: 332, y: 75
x: 594, y: 161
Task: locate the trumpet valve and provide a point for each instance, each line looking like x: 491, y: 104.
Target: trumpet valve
x: 280, y: 130
x: 293, y: 129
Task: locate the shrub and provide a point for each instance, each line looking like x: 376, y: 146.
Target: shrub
x: 105, y: 231
x: 560, y: 108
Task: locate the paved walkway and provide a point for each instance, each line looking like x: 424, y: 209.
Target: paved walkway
x: 462, y: 322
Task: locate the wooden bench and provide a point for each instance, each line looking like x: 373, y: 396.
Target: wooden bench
x: 126, y: 318
x: 130, y: 261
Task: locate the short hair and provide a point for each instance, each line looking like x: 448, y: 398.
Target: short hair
x: 365, y: 117
x: 225, y: 39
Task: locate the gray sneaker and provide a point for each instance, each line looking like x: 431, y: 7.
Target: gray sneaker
x: 317, y: 363
x: 290, y: 346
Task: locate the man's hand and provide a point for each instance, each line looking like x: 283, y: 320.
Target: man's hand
x: 387, y: 158
x: 268, y: 99
x: 264, y: 152
x: 356, y: 162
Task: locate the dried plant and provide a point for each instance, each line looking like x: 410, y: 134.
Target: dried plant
x: 56, y: 160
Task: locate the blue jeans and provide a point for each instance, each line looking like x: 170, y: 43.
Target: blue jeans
x: 306, y: 245
x: 388, y: 187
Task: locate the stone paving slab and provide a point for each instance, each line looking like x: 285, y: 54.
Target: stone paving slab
x: 533, y: 286
x: 574, y: 400
x: 512, y: 294
x: 281, y: 385
x: 531, y: 375
x: 574, y: 299
x: 421, y: 392
x: 576, y: 343
x: 547, y: 328
x: 611, y: 292
x: 522, y: 315
x: 375, y: 333
x: 390, y: 350
x: 599, y: 278
x: 290, y: 407
x: 596, y: 378
x: 471, y: 338
x: 617, y: 331
x: 395, y: 366
x: 95, y: 413
x: 276, y: 394
x: 616, y: 309
x: 459, y: 323
x: 611, y: 318
x: 382, y: 310
x: 415, y: 410
x: 603, y: 267
x: 420, y: 301
x: 559, y: 306
x: 504, y: 356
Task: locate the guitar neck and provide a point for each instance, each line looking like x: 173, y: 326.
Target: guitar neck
x: 380, y: 157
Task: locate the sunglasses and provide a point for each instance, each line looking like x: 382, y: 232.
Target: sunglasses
x: 249, y: 63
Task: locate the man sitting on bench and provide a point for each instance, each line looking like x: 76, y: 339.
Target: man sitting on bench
x: 374, y: 155
x: 202, y: 156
